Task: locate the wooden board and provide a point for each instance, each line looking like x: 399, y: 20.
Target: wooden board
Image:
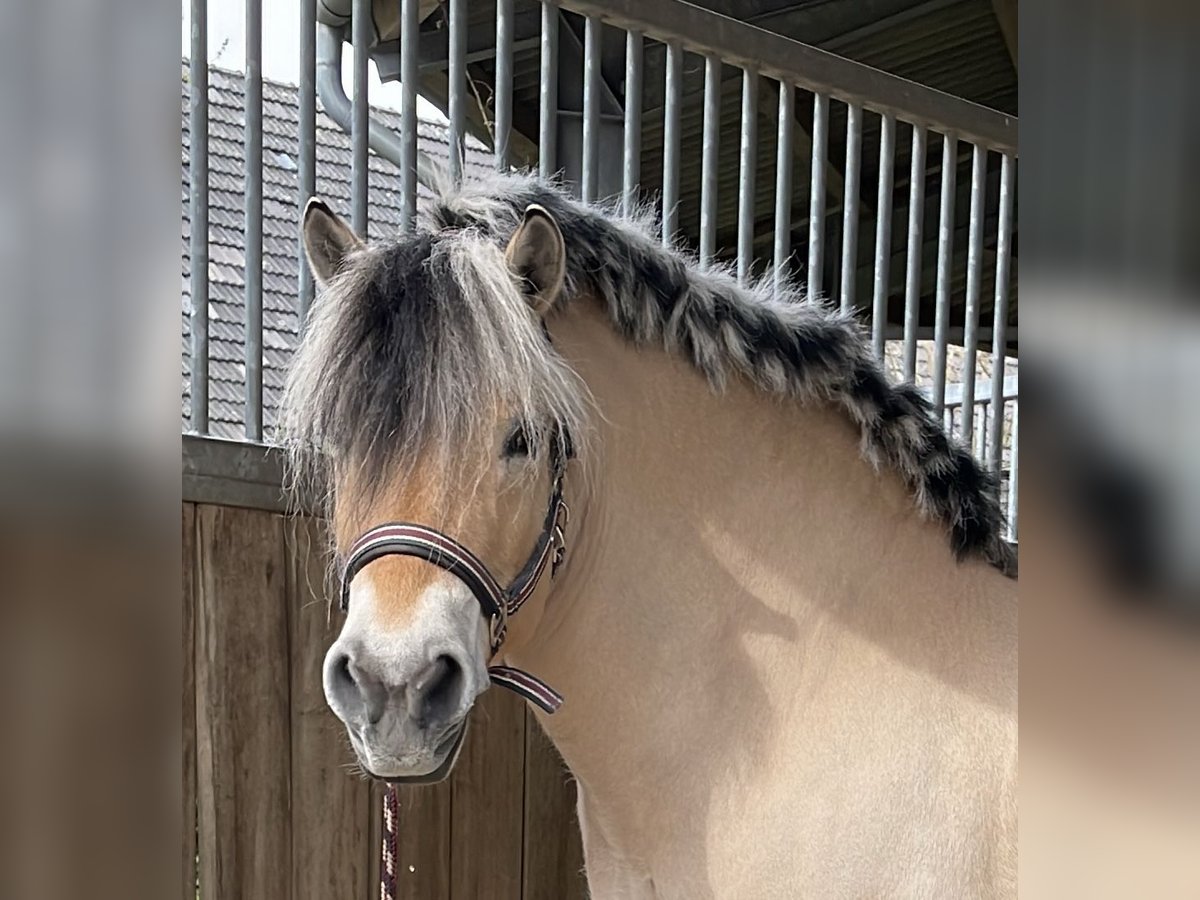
x: 487, y: 800
x: 330, y: 803
x: 188, y: 863
x: 423, y: 843
x: 242, y: 708
x: 553, y: 851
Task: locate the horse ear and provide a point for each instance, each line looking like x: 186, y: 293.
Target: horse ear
x: 537, y: 256
x: 328, y: 240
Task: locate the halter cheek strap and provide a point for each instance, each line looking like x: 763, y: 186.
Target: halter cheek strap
x: 496, y: 603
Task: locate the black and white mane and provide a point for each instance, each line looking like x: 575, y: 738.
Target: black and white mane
x: 412, y: 333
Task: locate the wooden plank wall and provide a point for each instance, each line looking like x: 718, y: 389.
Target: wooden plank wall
x: 272, y: 808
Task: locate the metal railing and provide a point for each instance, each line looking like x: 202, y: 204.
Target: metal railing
x: 796, y: 76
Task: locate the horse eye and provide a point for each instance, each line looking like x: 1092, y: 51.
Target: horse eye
x: 517, y: 443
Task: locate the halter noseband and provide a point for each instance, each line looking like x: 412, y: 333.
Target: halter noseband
x: 496, y: 603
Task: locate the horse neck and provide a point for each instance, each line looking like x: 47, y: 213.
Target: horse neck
x: 728, y: 544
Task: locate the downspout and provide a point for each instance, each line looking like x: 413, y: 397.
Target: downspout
x: 385, y: 142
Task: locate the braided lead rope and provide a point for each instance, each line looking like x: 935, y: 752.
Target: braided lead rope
x: 387, y: 868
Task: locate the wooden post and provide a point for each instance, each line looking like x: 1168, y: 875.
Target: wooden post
x: 242, y: 708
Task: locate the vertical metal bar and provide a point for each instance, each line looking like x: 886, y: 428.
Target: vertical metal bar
x: 547, y: 93
x: 632, y: 169
x: 670, y: 198
x: 883, y: 233
x: 816, y: 198
x: 253, y: 222
x: 850, y: 204
x: 503, y: 86
x: 709, y: 148
x: 974, y: 270
x: 747, y: 165
x: 1012, y: 475
x: 360, y: 118
x: 945, y: 257
x: 307, y: 140
x: 912, y: 273
x: 1000, y: 314
x: 591, y: 108
x: 198, y: 211
x: 457, y: 75
x: 783, y: 183
x: 409, y: 23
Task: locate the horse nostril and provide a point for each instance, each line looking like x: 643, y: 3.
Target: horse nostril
x: 353, y: 694
x: 437, y: 692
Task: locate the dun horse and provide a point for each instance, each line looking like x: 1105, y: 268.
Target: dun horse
x: 771, y: 591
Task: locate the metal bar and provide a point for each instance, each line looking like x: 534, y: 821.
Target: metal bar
x: 1000, y: 315
x: 632, y: 168
x: 674, y: 87
x: 380, y: 138
x: 974, y: 271
x: 783, y: 183
x: 945, y: 258
x: 548, y: 93
x: 360, y: 117
x: 253, y: 200
x: 816, y: 194
x: 591, y: 108
x: 198, y: 211
x: 308, y: 142
x: 819, y: 71
x: 747, y: 165
x: 850, y: 204
x: 912, y: 274
x: 883, y: 234
x: 1014, y: 468
x: 457, y: 76
x: 503, y: 85
x: 709, y: 148
x: 409, y: 23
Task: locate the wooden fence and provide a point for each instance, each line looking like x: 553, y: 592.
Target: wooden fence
x: 267, y: 782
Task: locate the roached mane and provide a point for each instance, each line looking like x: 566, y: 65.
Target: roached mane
x: 785, y: 344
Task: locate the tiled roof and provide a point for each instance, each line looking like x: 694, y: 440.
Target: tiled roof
x: 281, y: 215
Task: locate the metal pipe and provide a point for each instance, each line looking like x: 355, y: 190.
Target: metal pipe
x: 850, y: 204
x: 457, y: 77
x: 361, y: 30
x: 632, y: 168
x: 548, y: 93
x: 503, y: 82
x: 253, y: 200
x: 1000, y: 313
x: 674, y: 86
x: 709, y: 147
x: 912, y: 274
x: 591, y: 109
x: 308, y: 143
x: 816, y: 201
x: 198, y: 212
x: 883, y: 234
x: 409, y: 23
x: 974, y: 271
x: 747, y: 164
x: 383, y: 140
x: 783, y: 184
x: 945, y: 258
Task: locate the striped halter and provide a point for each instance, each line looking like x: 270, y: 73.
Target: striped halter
x: 495, y: 602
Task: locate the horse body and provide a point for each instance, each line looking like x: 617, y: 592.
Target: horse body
x: 780, y: 680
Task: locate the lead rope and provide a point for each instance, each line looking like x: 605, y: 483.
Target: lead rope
x: 387, y: 858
